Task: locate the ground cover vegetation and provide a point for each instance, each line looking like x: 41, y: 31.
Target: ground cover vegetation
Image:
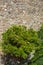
x: 19, y: 42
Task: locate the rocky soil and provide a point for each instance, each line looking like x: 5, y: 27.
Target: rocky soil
x: 22, y: 12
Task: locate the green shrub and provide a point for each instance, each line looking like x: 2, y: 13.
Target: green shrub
x: 20, y: 42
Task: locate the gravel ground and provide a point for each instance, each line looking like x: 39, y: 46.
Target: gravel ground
x: 23, y: 12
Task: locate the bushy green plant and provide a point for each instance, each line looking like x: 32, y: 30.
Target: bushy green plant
x: 20, y: 42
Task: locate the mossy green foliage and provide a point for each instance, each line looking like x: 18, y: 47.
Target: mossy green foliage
x: 40, y: 34
x: 38, y: 57
x: 19, y: 42
x: 38, y: 62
